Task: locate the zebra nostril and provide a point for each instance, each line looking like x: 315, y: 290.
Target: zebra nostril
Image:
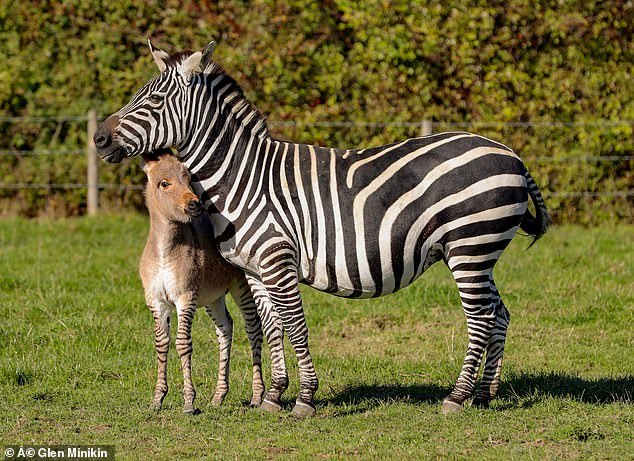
x: 194, y: 206
x: 100, y: 140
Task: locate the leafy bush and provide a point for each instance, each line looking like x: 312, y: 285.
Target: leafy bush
x: 306, y: 62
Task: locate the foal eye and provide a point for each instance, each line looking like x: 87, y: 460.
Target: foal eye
x: 164, y: 184
x: 155, y: 98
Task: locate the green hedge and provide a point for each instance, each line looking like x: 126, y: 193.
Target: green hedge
x: 313, y: 61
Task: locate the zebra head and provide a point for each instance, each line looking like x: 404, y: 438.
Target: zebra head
x: 154, y: 117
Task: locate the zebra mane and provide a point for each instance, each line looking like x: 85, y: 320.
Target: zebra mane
x: 248, y: 114
x: 251, y: 117
x: 175, y: 59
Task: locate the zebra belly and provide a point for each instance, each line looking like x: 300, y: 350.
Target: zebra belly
x: 367, y: 288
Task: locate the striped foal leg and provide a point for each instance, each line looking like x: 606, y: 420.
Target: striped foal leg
x: 244, y: 299
x: 161, y: 315
x: 490, y: 383
x: 186, y: 308
x: 475, y: 295
x: 274, y: 333
x: 224, y: 331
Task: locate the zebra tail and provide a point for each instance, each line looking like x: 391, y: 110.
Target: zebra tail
x: 535, y: 225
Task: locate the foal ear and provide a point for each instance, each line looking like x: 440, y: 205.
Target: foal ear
x: 149, y: 160
x: 159, y: 55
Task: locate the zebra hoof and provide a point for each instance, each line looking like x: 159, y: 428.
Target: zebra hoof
x: 270, y: 407
x: 190, y: 410
x: 217, y: 400
x: 481, y: 403
x: 449, y: 407
x: 255, y: 402
x: 303, y: 410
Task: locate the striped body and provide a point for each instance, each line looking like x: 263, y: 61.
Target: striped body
x: 354, y: 223
x: 369, y: 222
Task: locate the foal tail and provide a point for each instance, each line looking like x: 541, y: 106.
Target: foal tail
x: 535, y: 225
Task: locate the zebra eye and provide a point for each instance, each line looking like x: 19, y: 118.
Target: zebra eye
x: 155, y: 98
x: 164, y: 184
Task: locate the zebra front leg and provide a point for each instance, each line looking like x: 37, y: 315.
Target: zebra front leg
x: 186, y: 309
x: 282, y: 285
x: 224, y: 331
x: 161, y: 315
x: 490, y: 383
x: 244, y: 299
x: 274, y: 333
x: 475, y: 295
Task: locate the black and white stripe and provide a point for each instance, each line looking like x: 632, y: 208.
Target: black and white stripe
x: 354, y: 223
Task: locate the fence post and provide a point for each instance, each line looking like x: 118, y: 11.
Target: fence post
x: 93, y: 172
x: 425, y: 127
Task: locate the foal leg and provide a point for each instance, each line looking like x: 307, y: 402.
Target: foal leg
x: 161, y: 313
x: 224, y: 331
x: 241, y: 294
x: 186, y: 308
x: 274, y: 332
x: 475, y: 295
x: 490, y: 383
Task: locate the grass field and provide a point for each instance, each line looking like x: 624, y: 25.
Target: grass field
x: 77, y: 360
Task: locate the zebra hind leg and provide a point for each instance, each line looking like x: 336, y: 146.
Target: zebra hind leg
x: 490, y: 383
x: 475, y: 295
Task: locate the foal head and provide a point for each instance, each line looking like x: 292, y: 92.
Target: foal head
x: 168, y: 192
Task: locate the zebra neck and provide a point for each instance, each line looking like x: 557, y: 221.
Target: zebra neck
x: 220, y: 173
x: 223, y: 133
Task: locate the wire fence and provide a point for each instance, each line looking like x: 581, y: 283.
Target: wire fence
x: 423, y: 127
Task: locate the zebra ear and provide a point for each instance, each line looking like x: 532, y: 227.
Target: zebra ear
x: 198, y: 61
x: 191, y: 65
x: 159, y: 55
x: 207, y: 54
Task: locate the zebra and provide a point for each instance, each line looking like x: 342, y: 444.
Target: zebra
x: 354, y: 223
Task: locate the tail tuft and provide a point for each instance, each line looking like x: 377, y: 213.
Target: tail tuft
x: 535, y: 225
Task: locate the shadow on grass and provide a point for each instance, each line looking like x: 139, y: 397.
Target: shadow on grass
x: 358, y: 399
x: 518, y: 391
x: 525, y: 390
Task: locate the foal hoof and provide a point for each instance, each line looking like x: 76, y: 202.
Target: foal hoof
x: 255, y: 402
x: 303, y: 410
x: 449, y: 406
x: 156, y: 406
x: 269, y: 406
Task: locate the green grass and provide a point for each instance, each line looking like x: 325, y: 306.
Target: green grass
x: 77, y: 360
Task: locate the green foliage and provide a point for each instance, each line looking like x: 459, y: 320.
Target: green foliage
x: 305, y: 61
x: 78, y: 366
